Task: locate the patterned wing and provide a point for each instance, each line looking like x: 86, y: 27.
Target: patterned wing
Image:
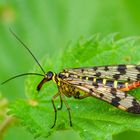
x: 113, y: 96
x: 126, y: 73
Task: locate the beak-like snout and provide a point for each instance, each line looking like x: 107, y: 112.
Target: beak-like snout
x: 41, y: 84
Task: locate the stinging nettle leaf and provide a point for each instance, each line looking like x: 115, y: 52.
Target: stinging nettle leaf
x: 91, y: 117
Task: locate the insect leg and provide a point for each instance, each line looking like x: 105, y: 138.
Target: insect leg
x: 61, y: 103
x: 68, y: 108
x: 55, y: 110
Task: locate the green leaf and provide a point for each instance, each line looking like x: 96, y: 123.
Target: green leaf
x: 91, y: 117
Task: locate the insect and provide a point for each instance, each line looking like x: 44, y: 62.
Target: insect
x: 107, y: 83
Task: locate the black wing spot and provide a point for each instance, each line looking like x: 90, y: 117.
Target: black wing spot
x: 90, y: 78
x: 91, y: 90
x: 95, y: 85
x: 78, y: 76
x: 115, y: 101
x: 135, y: 103
x: 98, y: 74
x: 138, y: 68
x: 122, y: 69
x: 128, y: 79
x: 65, y: 70
x: 84, y: 77
x: 106, y: 68
x: 138, y: 76
x: 134, y: 109
x: 99, y: 80
x: 82, y: 70
x: 101, y: 95
x: 116, y: 76
x: 95, y: 68
x: 80, y: 84
x: 113, y: 91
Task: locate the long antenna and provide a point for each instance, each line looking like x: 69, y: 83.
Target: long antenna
x: 24, y: 74
x: 27, y: 49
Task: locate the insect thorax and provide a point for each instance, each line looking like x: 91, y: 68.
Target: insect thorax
x: 66, y: 88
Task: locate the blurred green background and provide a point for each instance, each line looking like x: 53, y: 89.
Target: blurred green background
x: 47, y: 26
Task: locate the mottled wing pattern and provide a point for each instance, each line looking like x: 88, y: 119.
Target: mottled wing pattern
x: 113, y: 96
x: 127, y: 73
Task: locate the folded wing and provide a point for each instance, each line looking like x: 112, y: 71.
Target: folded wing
x: 127, y: 73
x: 113, y: 96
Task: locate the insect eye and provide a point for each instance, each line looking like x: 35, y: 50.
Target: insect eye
x: 49, y: 74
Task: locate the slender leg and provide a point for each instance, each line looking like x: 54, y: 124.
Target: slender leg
x: 68, y: 108
x: 55, y: 110
x: 61, y: 103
